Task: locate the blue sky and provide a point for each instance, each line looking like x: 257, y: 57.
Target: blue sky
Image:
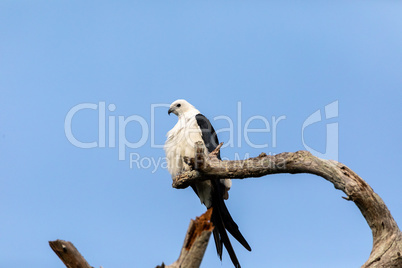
x: 286, y: 59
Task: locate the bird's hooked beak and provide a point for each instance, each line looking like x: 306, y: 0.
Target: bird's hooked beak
x: 170, y: 111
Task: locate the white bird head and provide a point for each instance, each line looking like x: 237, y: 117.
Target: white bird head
x: 180, y: 107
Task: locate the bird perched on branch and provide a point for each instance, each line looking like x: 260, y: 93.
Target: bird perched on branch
x: 193, y: 127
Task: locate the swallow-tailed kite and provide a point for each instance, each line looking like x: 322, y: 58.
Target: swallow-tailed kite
x: 192, y: 127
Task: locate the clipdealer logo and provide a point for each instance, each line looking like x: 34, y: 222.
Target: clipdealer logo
x: 108, y: 137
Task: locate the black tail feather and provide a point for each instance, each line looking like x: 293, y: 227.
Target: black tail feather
x: 222, y: 237
x: 232, y: 227
x: 218, y: 241
x: 222, y: 220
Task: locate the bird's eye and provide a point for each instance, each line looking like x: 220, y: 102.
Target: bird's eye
x: 178, y: 105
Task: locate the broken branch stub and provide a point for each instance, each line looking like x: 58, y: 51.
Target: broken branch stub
x: 69, y: 254
x: 195, y: 242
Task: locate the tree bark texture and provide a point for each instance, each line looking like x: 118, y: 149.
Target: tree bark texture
x: 195, y: 243
x: 387, y: 238
x: 68, y: 254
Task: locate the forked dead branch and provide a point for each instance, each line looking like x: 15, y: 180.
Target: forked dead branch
x: 387, y: 238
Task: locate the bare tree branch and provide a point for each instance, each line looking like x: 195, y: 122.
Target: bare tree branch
x: 69, y: 254
x: 387, y: 238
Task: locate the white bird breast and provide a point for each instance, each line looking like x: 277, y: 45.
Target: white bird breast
x: 180, y: 143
